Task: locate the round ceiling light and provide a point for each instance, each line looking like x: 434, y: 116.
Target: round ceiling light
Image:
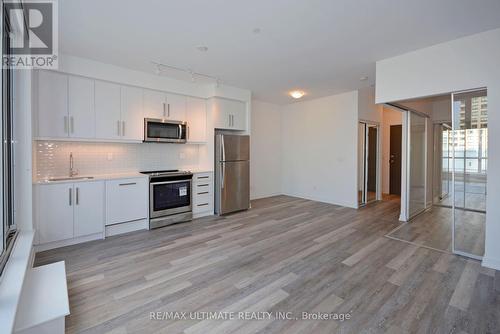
x: 297, y: 94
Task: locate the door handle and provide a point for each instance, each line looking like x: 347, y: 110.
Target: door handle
x: 229, y: 120
x: 168, y: 109
x: 127, y: 184
x: 72, y: 124
x: 180, y: 131
x: 164, y: 111
x: 70, y: 191
x: 222, y: 175
x: 123, y: 128
x: 66, y: 124
x: 77, y: 196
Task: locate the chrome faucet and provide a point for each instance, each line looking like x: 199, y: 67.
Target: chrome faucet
x: 72, y: 170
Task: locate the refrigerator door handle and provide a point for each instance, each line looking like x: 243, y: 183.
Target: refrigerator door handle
x: 223, y: 148
x: 222, y: 175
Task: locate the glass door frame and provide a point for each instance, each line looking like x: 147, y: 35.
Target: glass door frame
x: 366, y: 125
x: 453, y: 118
x: 408, y: 161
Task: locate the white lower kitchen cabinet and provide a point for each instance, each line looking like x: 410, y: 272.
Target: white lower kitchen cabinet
x: 127, y: 200
x: 68, y: 211
x: 54, y: 212
x: 203, y: 194
x: 89, y: 208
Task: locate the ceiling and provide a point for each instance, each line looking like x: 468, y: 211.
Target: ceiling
x: 320, y: 46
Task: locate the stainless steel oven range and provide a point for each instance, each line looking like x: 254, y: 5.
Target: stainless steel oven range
x: 170, y: 197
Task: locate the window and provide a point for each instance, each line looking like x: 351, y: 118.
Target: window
x: 8, y: 227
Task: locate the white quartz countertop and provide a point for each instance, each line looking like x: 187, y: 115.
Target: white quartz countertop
x: 104, y: 177
x: 93, y: 177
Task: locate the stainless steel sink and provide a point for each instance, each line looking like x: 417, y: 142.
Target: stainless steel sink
x: 70, y: 178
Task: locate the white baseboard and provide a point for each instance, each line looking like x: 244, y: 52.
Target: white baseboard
x: 127, y: 227
x: 67, y: 242
x: 203, y: 214
x: 491, y: 263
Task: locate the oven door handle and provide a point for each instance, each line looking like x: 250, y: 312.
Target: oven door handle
x: 153, y: 183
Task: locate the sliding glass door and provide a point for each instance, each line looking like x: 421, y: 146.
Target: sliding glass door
x: 442, y: 180
x: 417, y: 162
x: 470, y: 167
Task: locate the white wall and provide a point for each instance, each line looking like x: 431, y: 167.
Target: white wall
x: 390, y: 117
x: 367, y: 109
x: 319, y: 142
x: 265, y: 150
x: 465, y: 63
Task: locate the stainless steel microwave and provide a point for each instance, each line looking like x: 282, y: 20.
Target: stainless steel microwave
x: 164, y: 131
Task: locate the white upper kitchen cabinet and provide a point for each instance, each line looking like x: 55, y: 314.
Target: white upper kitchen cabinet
x: 132, y: 116
x: 82, y: 120
x: 53, y: 119
x: 155, y: 104
x: 229, y: 114
x: 176, y: 107
x: 107, y: 109
x: 239, y: 116
x: 88, y: 208
x: 55, y: 212
x: 163, y: 105
x: 196, y: 118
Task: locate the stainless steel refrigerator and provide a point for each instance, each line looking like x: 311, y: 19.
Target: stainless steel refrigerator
x: 232, y: 173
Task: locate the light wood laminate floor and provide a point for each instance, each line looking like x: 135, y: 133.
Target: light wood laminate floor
x: 433, y: 228
x: 285, y: 254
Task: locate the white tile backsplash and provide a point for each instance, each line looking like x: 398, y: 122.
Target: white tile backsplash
x: 52, y: 157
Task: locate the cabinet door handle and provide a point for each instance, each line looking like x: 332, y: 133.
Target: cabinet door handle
x: 187, y: 132
x: 203, y: 177
x: 168, y: 108
x: 123, y: 128
x: 204, y: 204
x: 70, y: 191
x: 65, y: 124
x: 164, y: 111
x: 72, y: 124
x: 127, y: 184
x: 203, y: 193
x: 77, y: 196
x: 118, y: 123
x: 229, y: 120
